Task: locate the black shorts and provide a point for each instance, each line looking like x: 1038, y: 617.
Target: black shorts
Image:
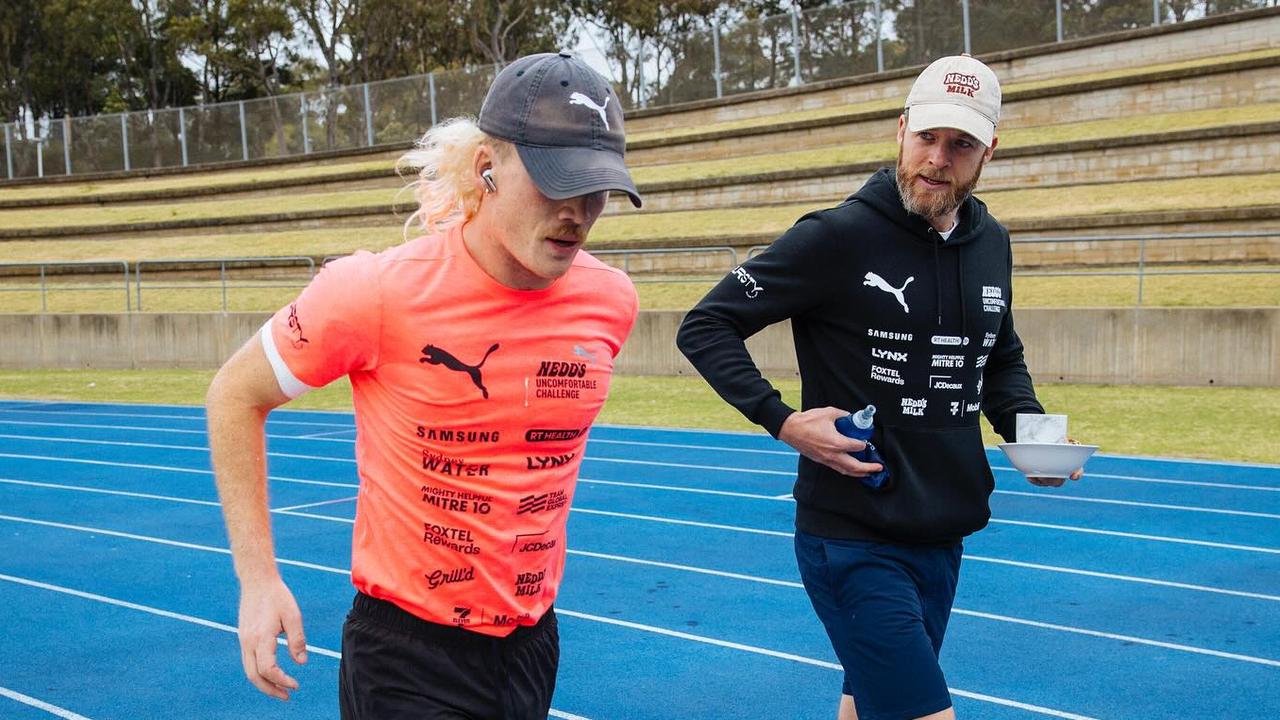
x: 396, y: 665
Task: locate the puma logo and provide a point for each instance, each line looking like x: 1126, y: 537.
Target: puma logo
x: 879, y: 283
x: 583, y: 353
x: 580, y: 99
x: 439, y: 356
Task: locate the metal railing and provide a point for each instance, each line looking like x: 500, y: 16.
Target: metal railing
x: 626, y: 256
x: 1141, y: 271
x: 195, y: 264
x: 725, y: 56
x: 67, y: 267
x: 687, y: 270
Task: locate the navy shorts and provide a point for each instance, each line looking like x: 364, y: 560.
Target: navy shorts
x: 396, y: 666
x: 885, y: 608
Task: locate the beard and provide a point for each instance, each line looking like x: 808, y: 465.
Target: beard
x: 932, y: 204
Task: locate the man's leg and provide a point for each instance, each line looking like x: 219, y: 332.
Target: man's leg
x: 847, y: 709
x: 867, y: 598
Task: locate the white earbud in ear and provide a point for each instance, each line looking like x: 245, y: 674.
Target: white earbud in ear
x: 487, y: 176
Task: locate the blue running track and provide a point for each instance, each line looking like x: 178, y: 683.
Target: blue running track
x: 1149, y: 590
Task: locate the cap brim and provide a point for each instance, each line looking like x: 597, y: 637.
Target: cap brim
x: 926, y: 116
x: 565, y: 172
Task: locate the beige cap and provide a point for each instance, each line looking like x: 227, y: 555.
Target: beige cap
x: 956, y: 92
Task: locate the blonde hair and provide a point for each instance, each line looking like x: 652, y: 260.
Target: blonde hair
x: 442, y: 160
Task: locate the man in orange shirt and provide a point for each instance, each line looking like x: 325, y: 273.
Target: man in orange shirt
x: 479, y: 354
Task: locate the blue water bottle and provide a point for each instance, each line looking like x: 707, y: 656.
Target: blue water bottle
x: 858, y: 426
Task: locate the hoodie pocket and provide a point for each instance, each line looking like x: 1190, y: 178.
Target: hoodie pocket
x: 941, y: 483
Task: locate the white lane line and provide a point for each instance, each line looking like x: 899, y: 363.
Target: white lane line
x: 162, y: 446
x: 676, y: 488
x: 692, y: 431
x: 994, y: 521
x: 1122, y: 638
x: 347, y: 426
x: 165, y: 498
x: 681, y: 446
x: 167, y: 468
x: 679, y: 465
x: 41, y: 705
x: 313, y: 516
x: 146, y: 609
x: 1038, y: 495
x: 673, y: 521
x: 687, y: 568
x: 967, y: 556
x: 1134, y: 503
x: 1160, y: 481
x: 100, y: 491
x: 351, y: 461
x: 315, y: 504
x: 559, y: 611
x: 1138, y: 536
x: 163, y: 541
x: 317, y: 437
x: 801, y: 659
x: 325, y: 652
x: 1122, y: 578
x: 322, y: 436
x: 701, y: 571
x: 200, y: 417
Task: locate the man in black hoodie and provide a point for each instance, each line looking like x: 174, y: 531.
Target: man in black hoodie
x: 900, y: 297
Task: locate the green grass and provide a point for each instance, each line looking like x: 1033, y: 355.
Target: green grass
x: 212, y: 179
x: 1008, y: 205
x: 1251, y: 290
x: 1230, y: 423
x: 201, y: 210
x: 1241, y: 290
x: 318, y: 241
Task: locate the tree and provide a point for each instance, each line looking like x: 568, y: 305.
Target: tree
x: 666, y: 28
x: 326, y: 26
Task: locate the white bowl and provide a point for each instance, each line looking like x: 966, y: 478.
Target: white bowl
x: 1052, y: 460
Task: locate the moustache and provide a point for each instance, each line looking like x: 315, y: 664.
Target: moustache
x: 569, y: 232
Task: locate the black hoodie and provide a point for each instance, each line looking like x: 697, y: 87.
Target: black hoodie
x: 883, y: 312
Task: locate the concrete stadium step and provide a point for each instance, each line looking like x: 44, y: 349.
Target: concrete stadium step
x: 1194, y: 144
x: 1105, y: 152
x: 1223, y: 204
x: 1111, y: 53
x: 1224, y: 82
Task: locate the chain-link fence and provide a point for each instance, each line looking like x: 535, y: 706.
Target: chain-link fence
x: 726, y: 56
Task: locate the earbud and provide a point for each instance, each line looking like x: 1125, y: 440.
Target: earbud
x: 487, y: 176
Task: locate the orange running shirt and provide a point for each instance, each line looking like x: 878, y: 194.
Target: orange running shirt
x: 472, y: 404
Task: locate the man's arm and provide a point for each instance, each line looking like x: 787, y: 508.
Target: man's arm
x: 1009, y: 390
x: 244, y: 391
x: 1007, y: 386
x: 784, y: 281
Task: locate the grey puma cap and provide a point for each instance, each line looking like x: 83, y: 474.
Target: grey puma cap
x: 566, y: 123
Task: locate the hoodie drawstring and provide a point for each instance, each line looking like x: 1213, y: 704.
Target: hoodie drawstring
x: 937, y: 276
